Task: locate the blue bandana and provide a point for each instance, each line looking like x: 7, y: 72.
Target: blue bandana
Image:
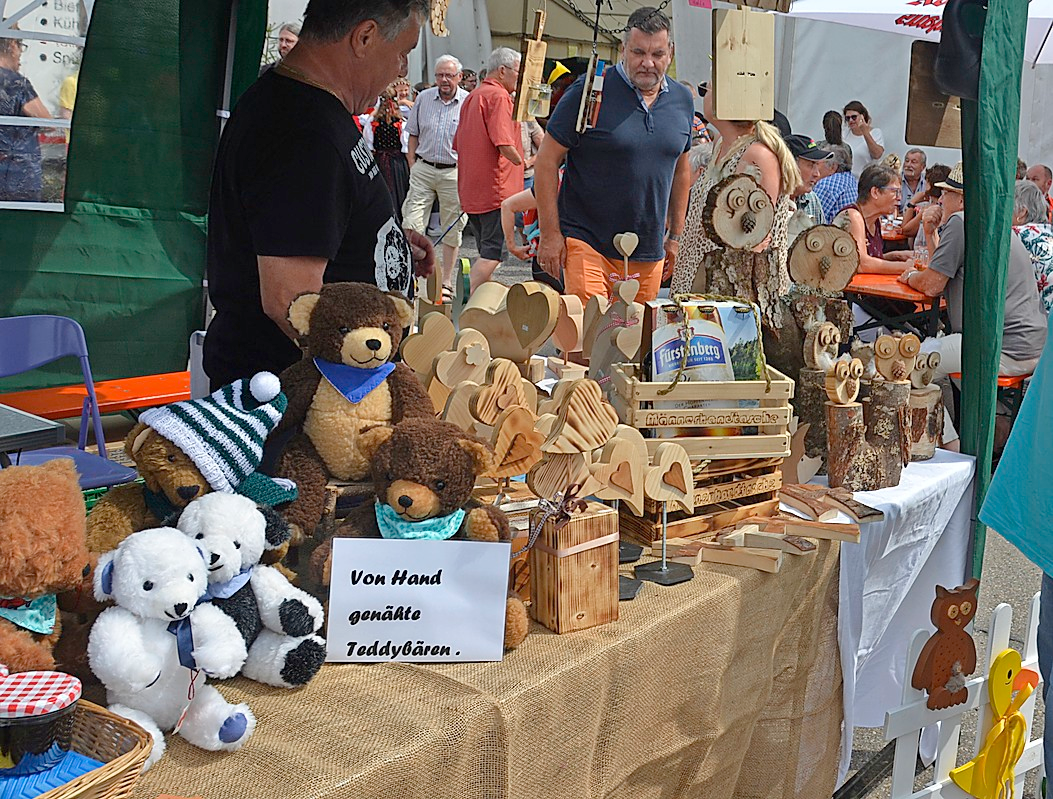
x: 36, y: 615
x: 354, y: 383
x: 229, y: 588
x: 438, y: 529
x: 184, y: 642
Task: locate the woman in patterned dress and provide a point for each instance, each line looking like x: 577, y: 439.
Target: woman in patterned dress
x: 1032, y: 225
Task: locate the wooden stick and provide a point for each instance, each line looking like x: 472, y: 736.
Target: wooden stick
x: 803, y: 527
x: 747, y: 537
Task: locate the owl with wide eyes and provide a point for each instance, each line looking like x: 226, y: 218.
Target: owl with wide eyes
x: 924, y: 368
x: 895, y: 358
x: 842, y: 381
x: 821, y: 344
x: 823, y: 257
x: 739, y: 214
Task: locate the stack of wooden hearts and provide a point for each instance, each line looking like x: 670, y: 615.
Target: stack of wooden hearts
x: 516, y: 322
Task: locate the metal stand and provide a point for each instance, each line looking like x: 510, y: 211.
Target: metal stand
x: 661, y: 571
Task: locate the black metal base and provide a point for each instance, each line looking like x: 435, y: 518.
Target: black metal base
x: 672, y: 574
x: 629, y: 553
x: 628, y: 588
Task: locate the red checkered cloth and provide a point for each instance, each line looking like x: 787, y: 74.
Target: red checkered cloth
x: 35, y: 693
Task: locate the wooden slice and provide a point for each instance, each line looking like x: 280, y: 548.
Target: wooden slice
x: 533, y: 310
x: 738, y: 213
x: 824, y: 257
x: 503, y: 389
x: 586, y: 422
x: 808, y: 502
x: 435, y: 335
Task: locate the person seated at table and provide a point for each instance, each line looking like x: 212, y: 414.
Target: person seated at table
x: 878, y: 196
x: 1024, y: 328
x: 838, y: 187
x: 915, y: 207
x: 1036, y: 234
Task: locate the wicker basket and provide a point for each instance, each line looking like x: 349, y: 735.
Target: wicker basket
x: 121, y: 745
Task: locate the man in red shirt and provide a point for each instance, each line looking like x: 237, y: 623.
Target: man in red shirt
x: 490, y: 159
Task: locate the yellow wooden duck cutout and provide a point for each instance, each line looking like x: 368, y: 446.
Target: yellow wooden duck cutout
x: 989, y: 775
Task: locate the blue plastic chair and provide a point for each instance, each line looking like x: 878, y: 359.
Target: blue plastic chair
x: 29, y: 342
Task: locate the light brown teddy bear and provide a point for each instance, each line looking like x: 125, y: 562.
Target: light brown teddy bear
x: 42, y: 552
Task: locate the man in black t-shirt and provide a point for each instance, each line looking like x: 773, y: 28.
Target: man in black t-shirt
x: 297, y: 199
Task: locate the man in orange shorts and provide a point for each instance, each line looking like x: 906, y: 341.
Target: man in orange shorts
x: 627, y: 173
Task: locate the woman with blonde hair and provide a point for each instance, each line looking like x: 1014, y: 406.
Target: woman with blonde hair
x: 754, y: 148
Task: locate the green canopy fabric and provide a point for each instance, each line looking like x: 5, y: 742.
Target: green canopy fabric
x: 990, y: 129
x: 127, y: 256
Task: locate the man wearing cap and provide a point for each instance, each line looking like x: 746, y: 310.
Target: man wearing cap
x: 809, y: 159
x: 1024, y: 329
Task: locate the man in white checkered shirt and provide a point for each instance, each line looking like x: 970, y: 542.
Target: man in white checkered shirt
x: 433, y: 163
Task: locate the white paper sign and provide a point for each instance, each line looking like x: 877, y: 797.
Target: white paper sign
x: 417, y: 601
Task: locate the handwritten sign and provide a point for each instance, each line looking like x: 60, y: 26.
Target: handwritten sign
x: 417, y: 601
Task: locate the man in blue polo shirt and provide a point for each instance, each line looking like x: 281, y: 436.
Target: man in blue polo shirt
x: 629, y: 173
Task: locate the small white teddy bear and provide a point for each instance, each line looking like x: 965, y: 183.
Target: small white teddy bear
x: 146, y: 650
x: 277, y: 620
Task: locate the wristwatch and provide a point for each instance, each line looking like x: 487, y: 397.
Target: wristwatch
x: 911, y: 205
x: 673, y: 236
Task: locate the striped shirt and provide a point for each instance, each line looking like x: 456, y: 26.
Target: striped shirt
x: 434, y: 122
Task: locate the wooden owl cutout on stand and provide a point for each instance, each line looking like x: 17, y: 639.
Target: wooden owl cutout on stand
x: 820, y: 346
x: 924, y: 368
x: 894, y: 357
x: 949, y: 656
x: 738, y: 214
x: 842, y: 381
x: 824, y: 257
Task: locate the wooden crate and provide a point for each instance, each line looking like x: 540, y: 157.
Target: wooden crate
x: 633, y: 399
x: 578, y: 589
x: 721, y: 500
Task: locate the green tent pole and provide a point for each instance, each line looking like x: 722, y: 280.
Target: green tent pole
x: 990, y: 130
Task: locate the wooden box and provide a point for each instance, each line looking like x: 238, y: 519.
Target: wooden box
x: 518, y: 503
x: 633, y: 398
x: 723, y: 497
x: 574, y: 570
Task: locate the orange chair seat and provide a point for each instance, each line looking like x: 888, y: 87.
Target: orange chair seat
x: 1004, y: 381
x: 124, y: 394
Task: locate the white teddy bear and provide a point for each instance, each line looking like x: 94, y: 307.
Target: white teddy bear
x: 277, y: 620
x: 148, y: 649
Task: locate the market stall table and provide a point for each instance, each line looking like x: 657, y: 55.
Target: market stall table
x: 20, y: 430
x: 888, y: 581
x: 872, y: 293
x: 726, y: 686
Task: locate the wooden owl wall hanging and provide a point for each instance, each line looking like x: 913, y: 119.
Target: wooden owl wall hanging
x: 824, y: 257
x: 949, y: 656
x: 739, y: 214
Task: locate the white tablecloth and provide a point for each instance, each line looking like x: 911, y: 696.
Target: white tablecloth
x: 888, y: 582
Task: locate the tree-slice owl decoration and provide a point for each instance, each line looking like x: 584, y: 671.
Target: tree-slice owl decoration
x: 821, y: 343
x: 438, y: 17
x: 925, y: 366
x: 739, y: 214
x: 894, y: 357
x: 842, y: 381
x: 824, y: 257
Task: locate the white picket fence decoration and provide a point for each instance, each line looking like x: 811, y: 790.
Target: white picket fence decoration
x: 905, y: 723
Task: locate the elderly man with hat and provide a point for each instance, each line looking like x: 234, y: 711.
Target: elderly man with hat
x: 1024, y: 329
x: 809, y: 159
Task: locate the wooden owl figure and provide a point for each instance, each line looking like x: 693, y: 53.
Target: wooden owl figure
x: 820, y: 346
x: 924, y: 368
x: 738, y: 214
x: 842, y: 381
x: 894, y: 358
x: 823, y: 257
x: 949, y: 656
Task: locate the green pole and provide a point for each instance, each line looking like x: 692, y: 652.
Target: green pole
x: 990, y: 129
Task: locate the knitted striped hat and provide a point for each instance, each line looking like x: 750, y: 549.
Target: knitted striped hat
x: 223, y: 435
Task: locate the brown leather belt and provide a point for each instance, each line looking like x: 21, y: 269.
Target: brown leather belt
x: 437, y: 166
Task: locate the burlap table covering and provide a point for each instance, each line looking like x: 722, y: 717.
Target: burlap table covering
x: 725, y: 686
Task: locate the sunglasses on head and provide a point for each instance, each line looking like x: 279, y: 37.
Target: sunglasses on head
x: 703, y: 88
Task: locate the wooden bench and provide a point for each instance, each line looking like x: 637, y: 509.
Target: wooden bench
x: 1010, y: 391
x: 115, y: 396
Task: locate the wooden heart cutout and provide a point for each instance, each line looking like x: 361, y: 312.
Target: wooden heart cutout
x: 545, y: 422
x: 570, y: 323
x: 530, y: 394
x: 619, y: 333
x: 503, y: 389
x: 556, y: 473
x: 456, y: 410
x: 620, y: 471
x: 468, y: 360
x: 626, y: 243
x: 595, y: 310
x: 517, y: 445
x: 533, y: 310
x: 622, y: 477
x: 559, y: 396
x: 586, y: 422
x: 667, y: 480
x: 486, y: 312
x: 435, y: 335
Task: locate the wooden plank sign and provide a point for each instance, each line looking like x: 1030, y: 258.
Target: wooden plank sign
x: 531, y: 69
x: 743, y: 64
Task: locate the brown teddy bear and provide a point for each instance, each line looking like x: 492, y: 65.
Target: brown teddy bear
x: 188, y: 449
x: 346, y: 385
x: 42, y: 552
x: 424, y: 471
